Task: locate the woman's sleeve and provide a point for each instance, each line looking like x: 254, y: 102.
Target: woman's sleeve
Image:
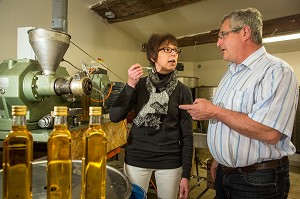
x: 123, y: 104
x: 187, y: 133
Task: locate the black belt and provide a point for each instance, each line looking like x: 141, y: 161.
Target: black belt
x: 258, y: 166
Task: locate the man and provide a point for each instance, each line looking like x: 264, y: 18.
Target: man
x: 252, y: 114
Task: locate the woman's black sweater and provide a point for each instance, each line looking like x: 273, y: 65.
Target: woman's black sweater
x: 169, y: 147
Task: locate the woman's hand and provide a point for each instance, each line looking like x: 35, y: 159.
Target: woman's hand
x: 184, y: 188
x: 134, y: 73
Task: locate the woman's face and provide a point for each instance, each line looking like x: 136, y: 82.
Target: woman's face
x: 166, y: 59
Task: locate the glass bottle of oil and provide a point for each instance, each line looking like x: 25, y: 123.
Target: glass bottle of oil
x: 94, y: 158
x: 59, y: 165
x: 17, y: 158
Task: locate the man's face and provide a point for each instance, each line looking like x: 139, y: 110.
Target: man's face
x: 229, y: 42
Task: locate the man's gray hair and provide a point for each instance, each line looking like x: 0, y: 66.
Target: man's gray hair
x: 247, y: 17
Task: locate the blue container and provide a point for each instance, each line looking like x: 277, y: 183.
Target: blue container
x: 137, y: 192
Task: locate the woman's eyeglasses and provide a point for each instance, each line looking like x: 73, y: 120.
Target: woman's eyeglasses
x: 169, y: 50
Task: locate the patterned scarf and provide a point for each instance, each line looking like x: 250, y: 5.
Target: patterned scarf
x: 150, y: 114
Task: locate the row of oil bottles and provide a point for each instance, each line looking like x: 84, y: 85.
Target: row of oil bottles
x: 18, y: 157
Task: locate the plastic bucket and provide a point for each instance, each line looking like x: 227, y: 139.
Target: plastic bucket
x: 137, y: 192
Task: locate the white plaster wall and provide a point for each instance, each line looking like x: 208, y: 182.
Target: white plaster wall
x: 188, y: 69
x: 293, y: 58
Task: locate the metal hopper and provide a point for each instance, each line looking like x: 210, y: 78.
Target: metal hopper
x: 49, y: 46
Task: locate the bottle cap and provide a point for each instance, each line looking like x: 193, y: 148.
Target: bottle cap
x: 95, y: 111
x: 60, y: 111
x: 19, y: 110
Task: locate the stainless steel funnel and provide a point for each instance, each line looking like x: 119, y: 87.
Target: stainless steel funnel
x: 49, y: 47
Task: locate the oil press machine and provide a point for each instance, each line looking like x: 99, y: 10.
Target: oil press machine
x: 43, y: 84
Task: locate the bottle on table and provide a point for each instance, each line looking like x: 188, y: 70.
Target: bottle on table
x: 59, y: 165
x: 94, y: 158
x: 17, y: 158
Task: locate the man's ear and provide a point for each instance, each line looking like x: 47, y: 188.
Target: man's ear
x: 246, y: 31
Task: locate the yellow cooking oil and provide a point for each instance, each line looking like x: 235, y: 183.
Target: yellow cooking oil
x: 17, y: 158
x: 59, y: 165
x: 94, y: 158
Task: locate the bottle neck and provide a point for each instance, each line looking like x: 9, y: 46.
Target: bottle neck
x: 58, y: 120
x: 95, y: 119
x: 19, y: 120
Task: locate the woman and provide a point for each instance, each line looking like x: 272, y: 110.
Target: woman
x: 161, y: 138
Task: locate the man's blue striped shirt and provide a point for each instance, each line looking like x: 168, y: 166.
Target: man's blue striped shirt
x: 265, y: 88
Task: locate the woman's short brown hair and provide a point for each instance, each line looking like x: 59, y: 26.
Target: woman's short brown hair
x: 157, y: 40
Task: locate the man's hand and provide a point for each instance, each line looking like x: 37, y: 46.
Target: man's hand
x: 201, y: 109
x: 213, y: 169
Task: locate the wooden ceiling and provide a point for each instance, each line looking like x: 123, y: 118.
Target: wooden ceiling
x: 124, y: 10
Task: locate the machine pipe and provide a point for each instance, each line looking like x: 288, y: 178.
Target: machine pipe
x: 44, y: 85
x: 59, y: 15
x: 73, y: 86
x: 62, y: 86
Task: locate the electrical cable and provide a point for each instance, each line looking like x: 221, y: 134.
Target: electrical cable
x: 97, y: 60
x: 71, y: 64
x: 105, y: 98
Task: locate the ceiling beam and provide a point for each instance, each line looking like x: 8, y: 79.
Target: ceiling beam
x: 281, y: 26
x: 124, y: 10
x: 272, y: 27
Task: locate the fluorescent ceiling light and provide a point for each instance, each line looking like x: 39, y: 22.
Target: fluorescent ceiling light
x: 281, y: 38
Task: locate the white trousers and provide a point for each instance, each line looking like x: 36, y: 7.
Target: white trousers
x: 167, y: 180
